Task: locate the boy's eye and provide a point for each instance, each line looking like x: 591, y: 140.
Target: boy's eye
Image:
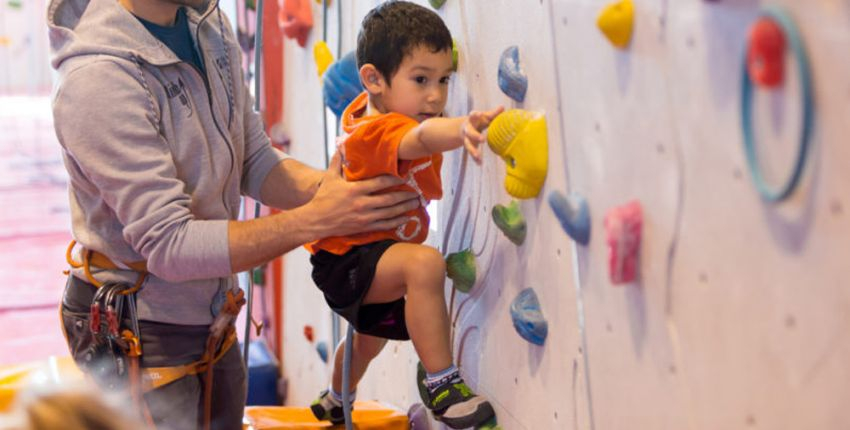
x: 445, y: 79
x: 420, y: 79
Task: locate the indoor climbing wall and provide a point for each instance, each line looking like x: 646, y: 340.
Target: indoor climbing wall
x: 699, y: 299
x: 24, y: 59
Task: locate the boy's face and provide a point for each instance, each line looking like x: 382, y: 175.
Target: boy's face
x: 420, y: 86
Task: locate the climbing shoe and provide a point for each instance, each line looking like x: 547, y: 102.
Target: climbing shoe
x: 326, y: 408
x: 454, y: 404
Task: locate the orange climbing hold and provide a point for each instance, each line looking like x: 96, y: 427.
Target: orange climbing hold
x: 365, y: 416
x: 766, y: 53
x: 617, y: 22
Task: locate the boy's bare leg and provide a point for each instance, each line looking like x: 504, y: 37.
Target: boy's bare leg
x: 419, y: 273
x: 365, y: 348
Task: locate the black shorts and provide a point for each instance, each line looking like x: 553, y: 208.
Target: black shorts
x: 345, y: 280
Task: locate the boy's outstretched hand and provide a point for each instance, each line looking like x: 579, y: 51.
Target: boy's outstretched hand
x: 472, y: 128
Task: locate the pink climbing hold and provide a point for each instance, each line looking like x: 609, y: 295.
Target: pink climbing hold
x: 766, y: 53
x: 623, y: 231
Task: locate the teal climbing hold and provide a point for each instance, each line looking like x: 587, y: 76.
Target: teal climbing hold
x: 512, y: 80
x: 509, y: 219
x: 322, y: 349
x: 460, y: 268
x: 573, y: 214
x: 527, y: 317
x: 436, y: 4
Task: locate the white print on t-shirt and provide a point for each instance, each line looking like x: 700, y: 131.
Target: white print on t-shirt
x: 411, y: 182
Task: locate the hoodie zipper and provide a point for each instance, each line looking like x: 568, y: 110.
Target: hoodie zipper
x: 205, y: 78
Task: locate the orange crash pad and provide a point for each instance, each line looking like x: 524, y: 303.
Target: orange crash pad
x: 368, y: 415
x: 17, y: 377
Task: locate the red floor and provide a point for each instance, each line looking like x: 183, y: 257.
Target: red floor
x: 34, y: 231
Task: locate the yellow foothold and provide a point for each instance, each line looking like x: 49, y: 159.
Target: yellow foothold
x: 617, y: 21
x: 323, y: 56
x: 520, y: 138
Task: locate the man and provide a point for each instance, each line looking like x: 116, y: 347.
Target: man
x: 159, y: 141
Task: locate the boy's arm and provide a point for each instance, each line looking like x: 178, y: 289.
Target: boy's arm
x: 437, y: 135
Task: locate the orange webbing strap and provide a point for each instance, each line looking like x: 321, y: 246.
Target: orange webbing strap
x: 155, y: 377
x: 228, y: 315
x: 96, y: 259
x: 134, y: 351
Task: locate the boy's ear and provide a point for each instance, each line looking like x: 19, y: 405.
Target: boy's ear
x: 372, y: 79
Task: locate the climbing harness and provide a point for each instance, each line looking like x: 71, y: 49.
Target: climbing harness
x: 767, y: 192
x: 116, y: 351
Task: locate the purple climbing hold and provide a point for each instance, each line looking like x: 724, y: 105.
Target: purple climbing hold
x: 417, y: 415
x: 512, y: 80
x: 322, y: 349
x: 341, y: 83
x: 527, y: 317
x: 573, y: 214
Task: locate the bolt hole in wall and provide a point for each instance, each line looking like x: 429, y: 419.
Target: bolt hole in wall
x: 35, y: 217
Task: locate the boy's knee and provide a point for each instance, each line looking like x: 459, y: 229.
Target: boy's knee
x: 426, y: 263
x: 368, y: 346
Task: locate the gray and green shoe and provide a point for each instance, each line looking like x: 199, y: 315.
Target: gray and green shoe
x: 454, y: 404
x: 326, y: 408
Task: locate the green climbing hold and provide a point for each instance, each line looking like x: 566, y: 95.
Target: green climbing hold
x: 259, y: 275
x: 436, y: 4
x: 460, y: 268
x: 454, y: 55
x: 15, y: 4
x: 509, y: 219
x: 420, y: 383
x: 489, y: 425
x: 251, y: 4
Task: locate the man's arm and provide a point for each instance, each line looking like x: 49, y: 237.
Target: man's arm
x: 290, y: 184
x: 337, y: 208
x: 437, y: 135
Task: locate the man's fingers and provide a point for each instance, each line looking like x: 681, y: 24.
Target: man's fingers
x: 388, y: 224
x: 368, y: 186
x: 335, y: 165
x: 406, y: 200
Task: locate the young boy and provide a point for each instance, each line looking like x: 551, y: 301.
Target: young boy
x: 386, y: 283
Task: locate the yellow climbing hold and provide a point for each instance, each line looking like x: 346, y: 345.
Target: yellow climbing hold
x: 617, y: 21
x: 5, y: 41
x: 323, y: 56
x: 520, y: 138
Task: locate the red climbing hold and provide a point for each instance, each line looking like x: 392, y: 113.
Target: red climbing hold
x: 308, y: 333
x: 766, y: 53
x: 296, y: 19
x: 623, y: 230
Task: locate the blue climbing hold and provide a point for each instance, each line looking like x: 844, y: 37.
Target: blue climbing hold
x: 342, y: 83
x: 573, y: 214
x: 322, y: 349
x: 527, y: 317
x: 512, y: 80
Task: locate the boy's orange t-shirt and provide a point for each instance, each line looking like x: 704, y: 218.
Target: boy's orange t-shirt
x: 371, y: 149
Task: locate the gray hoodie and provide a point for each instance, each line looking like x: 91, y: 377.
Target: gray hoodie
x: 157, y: 153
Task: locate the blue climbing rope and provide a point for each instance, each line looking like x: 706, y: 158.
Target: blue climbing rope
x: 346, y: 376
x: 793, y: 35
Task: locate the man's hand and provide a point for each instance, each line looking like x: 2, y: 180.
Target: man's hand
x: 342, y: 208
x: 472, y: 128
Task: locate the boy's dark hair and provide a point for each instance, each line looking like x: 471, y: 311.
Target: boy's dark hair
x: 393, y: 30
